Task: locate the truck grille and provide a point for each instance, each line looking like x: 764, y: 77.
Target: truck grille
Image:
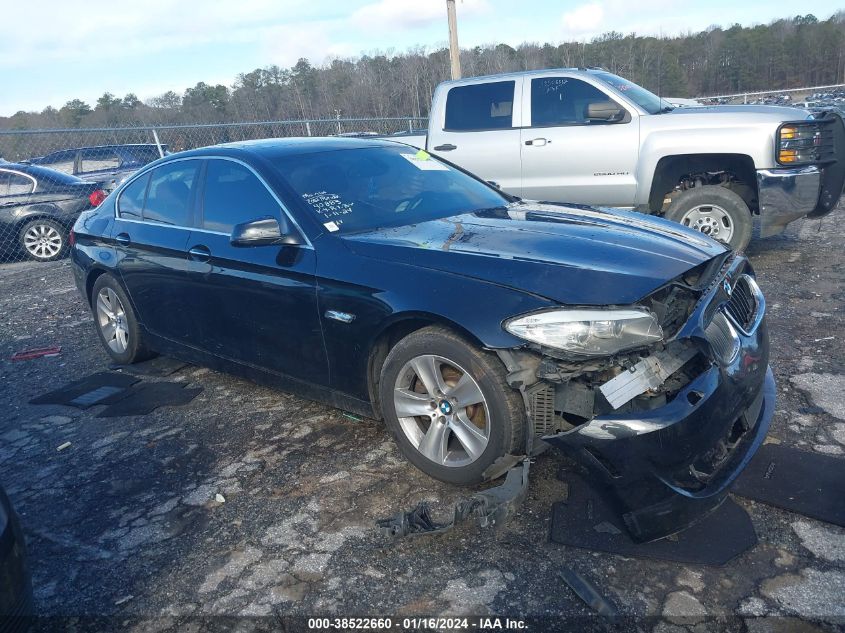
x: 745, y: 305
x: 825, y: 145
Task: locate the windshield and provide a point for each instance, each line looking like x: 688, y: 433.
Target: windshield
x: 361, y: 189
x: 648, y: 101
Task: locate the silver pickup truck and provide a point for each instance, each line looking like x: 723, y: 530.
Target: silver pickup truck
x: 588, y: 136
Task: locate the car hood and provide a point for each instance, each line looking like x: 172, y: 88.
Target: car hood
x: 570, y: 254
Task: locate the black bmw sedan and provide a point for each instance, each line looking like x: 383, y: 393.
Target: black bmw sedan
x: 38, y: 206
x: 382, y: 280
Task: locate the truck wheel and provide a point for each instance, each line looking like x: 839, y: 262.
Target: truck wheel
x: 449, y: 406
x: 715, y: 211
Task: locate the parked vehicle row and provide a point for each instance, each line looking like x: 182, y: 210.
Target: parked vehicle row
x: 38, y: 207
x: 588, y: 136
x: 383, y: 280
x: 108, y: 165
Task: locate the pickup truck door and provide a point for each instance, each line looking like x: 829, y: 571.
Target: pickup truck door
x: 476, y: 126
x: 569, y: 152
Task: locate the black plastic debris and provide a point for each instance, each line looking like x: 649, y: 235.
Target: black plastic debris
x: 588, y: 592
x: 99, y: 388
x: 799, y: 481
x: 490, y: 508
x: 149, y: 396
x: 159, y: 366
x: 586, y: 520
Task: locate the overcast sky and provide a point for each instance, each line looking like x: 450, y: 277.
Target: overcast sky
x: 52, y: 51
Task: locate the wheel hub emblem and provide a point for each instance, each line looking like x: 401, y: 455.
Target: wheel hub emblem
x: 445, y: 407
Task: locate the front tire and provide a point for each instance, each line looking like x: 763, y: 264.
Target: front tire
x: 116, y: 323
x: 449, y: 407
x: 715, y: 211
x: 43, y: 240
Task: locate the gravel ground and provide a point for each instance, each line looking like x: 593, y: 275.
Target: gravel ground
x: 126, y: 522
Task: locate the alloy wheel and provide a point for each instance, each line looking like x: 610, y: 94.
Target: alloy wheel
x: 111, y: 319
x: 711, y: 220
x: 42, y: 241
x: 442, y: 410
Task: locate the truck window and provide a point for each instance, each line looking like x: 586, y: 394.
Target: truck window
x: 99, y: 159
x: 487, y: 106
x: 562, y: 101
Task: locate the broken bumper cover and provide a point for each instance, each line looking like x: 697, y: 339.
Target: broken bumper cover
x: 667, y: 467
x: 490, y: 507
x: 786, y: 195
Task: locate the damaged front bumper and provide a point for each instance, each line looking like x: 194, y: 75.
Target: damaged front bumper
x: 786, y: 195
x: 667, y: 465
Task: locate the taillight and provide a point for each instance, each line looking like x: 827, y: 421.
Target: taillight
x: 71, y: 237
x: 96, y: 197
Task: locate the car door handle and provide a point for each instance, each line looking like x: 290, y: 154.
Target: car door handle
x: 448, y: 147
x: 199, y: 253
x: 122, y: 238
x: 538, y: 142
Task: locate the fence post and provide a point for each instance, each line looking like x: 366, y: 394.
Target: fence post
x: 158, y: 143
x: 410, y: 125
x: 745, y: 98
x: 308, y: 127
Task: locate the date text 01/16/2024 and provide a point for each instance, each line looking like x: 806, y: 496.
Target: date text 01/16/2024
x: 485, y: 623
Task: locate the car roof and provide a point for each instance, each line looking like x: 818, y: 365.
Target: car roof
x: 39, y: 172
x: 291, y: 146
x: 523, y: 73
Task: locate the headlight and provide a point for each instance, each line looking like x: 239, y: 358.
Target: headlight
x: 588, y: 332
x: 799, y: 143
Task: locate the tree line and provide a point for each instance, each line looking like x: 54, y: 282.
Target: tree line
x: 787, y: 53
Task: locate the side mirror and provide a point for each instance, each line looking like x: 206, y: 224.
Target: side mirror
x: 607, y: 111
x: 263, y: 232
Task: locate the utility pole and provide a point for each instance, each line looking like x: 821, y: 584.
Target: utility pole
x: 454, y: 51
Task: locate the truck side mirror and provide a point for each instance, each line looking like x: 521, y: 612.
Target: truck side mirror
x: 607, y: 111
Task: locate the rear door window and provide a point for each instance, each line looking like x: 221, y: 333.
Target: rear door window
x: 15, y: 184
x: 486, y: 106
x: 234, y: 195
x: 20, y: 185
x: 170, y: 193
x: 99, y: 159
x: 131, y: 203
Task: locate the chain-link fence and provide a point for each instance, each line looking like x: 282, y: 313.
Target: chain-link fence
x: 48, y: 177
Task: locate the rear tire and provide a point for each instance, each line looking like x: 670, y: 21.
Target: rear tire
x: 116, y: 323
x: 43, y: 240
x: 458, y: 421
x: 715, y: 211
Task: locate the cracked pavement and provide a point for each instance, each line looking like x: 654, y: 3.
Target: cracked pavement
x: 253, y: 502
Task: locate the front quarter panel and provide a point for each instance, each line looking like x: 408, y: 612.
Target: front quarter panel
x: 381, y: 293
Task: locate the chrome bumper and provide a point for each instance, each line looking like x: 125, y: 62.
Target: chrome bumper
x: 786, y: 195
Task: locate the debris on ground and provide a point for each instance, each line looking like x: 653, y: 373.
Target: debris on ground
x: 491, y: 507
x: 588, y: 592
x: 37, y: 352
